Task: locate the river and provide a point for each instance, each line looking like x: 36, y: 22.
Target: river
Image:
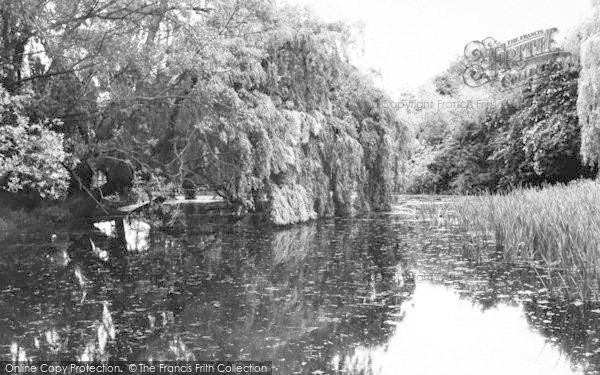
x: 381, y: 294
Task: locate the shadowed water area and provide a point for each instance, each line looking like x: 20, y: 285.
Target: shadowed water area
x: 368, y: 295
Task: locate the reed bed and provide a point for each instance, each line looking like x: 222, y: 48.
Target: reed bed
x: 555, y: 229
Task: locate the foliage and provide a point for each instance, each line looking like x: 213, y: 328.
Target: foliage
x: 435, y: 115
x: 291, y: 205
x: 32, y: 156
x: 588, y: 105
x: 533, y: 139
x: 584, y: 42
x: 288, y: 120
x: 549, y: 228
x: 248, y: 98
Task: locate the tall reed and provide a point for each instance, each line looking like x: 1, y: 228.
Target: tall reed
x: 555, y: 229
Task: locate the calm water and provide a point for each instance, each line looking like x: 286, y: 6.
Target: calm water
x: 382, y: 294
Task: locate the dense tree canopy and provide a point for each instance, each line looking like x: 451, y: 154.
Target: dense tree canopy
x: 531, y: 139
x: 260, y: 103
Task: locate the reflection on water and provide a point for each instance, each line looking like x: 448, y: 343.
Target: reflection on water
x: 108, y: 228
x: 459, y: 338
x: 372, y: 295
x: 136, y: 233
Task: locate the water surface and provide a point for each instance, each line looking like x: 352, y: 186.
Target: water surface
x: 381, y: 294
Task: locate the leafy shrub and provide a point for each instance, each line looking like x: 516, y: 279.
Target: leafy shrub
x: 533, y: 139
x: 32, y: 156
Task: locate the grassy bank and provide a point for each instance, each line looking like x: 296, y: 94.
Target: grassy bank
x: 557, y: 229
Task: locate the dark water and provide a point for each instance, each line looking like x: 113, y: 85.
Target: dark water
x: 383, y: 294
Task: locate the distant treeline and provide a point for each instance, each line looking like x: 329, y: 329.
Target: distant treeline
x: 544, y: 132
x: 530, y: 139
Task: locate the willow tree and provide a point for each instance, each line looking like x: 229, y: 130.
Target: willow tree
x: 588, y: 105
x: 296, y: 127
x: 267, y: 111
x: 258, y: 102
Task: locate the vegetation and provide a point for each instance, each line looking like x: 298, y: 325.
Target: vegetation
x: 549, y: 228
x: 257, y: 102
x: 530, y: 139
x: 544, y: 132
x: 519, y: 159
x: 589, y: 90
x: 32, y: 156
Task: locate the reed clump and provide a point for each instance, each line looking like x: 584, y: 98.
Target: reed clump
x: 555, y: 229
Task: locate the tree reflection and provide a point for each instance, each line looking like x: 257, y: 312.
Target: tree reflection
x: 310, y: 297
x: 298, y: 295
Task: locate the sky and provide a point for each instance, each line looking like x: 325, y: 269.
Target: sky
x: 408, y: 42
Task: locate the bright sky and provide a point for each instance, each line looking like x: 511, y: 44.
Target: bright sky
x: 409, y: 42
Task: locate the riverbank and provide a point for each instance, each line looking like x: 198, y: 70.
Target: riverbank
x: 556, y: 229
x: 47, y: 218
x: 21, y: 213
x: 18, y: 216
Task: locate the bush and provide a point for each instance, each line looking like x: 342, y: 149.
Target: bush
x: 531, y: 142
x: 32, y: 155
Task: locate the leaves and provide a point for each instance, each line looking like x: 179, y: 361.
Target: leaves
x: 31, y: 154
x: 254, y: 100
x: 533, y: 139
